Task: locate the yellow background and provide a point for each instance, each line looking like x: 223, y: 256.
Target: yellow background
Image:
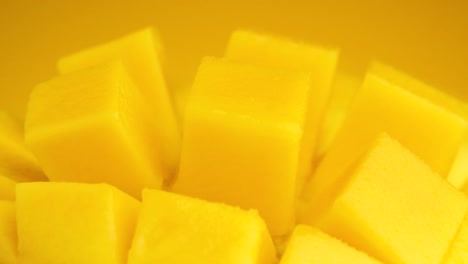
x: 428, y: 39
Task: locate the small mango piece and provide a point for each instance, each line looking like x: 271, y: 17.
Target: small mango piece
x: 310, y: 245
x: 74, y: 223
x: 394, y: 207
x: 141, y: 54
x: 175, y: 229
x: 7, y: 188
x: 92, y: 126
x: 318, y: 62
x: 242, y: 139
x: 16, y: 160
x: 8, y: 237
x: 429, y: 131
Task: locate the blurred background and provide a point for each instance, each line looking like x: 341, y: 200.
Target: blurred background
x: 425, y: 38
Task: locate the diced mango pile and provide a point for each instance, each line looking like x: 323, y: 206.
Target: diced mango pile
x: 277, y: 155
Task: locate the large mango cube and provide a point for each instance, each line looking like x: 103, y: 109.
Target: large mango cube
x: 7, y: 188
x: 16, y: 160
x: 319, y: 62
x: 310, y: 245
x: 458, y: 253
x: 93, y: 126
x: 429, y: 131
x: 8, y: 237
x: 141, y: 53
x: 74, y: 223
x: 394, y: 207
x: 242, y: 139
x: 458, y: 175
x: 174, y: 229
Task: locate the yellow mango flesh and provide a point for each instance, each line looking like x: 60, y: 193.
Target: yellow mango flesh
x: 16, y: 160
x: 344, y: 87
x: 458, y: 253
x: 74, y: 223
x: 93, y: 126
x: 429, y: 131
x: 175, y: 229
x: 319, y: 62
x: 394, y: 207
x: 7, y: 188
x: 312, y: 246
x: 8, y: 237
x: 458, y: 175
x: 141, y: 54
x: 242, y: 139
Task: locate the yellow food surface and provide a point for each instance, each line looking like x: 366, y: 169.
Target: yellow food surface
x: 7, y: 188
x: 141, y: 54
x: 92, y: 126
x: 74, y: 223
x: 458, y: 253
x: 384, y: 155
x: 395, y: 208
x: 177, y: 229
x: 16, y: 160
x: 429, y: 131
x: 310, y: 245
x: 8, y: 237
x: 344, y: 87
x: 458, y: 174
x: 242, y: 133
x: 318, y: 62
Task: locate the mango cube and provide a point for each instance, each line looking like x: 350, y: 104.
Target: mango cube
x: 7, y: 188
x: 429, y: 131
x: 74, y: 223
x: 458, y: 253
x: 310, y: 245
x: 458, y: 174
x: 174, y: 229
x: 141, y: 53
x: 242, y: 139
x: 16, y: 160
x: 92, y: 126
x: 318, y: 62
x: 394, y: 207
x: 8, y: 239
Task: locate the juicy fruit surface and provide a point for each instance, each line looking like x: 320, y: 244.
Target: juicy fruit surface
x: 458, y: 253
x: 16, y: 160
x: 310, y: 245
x: 56, y: 219
x: 280, y: 53
x: 382, y: 207
x: 102, y: 117
x: 177, y: 229
x: 380, y: 107
x: 242, y: 142
x: 141, y: 54
x: 458, y: 174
